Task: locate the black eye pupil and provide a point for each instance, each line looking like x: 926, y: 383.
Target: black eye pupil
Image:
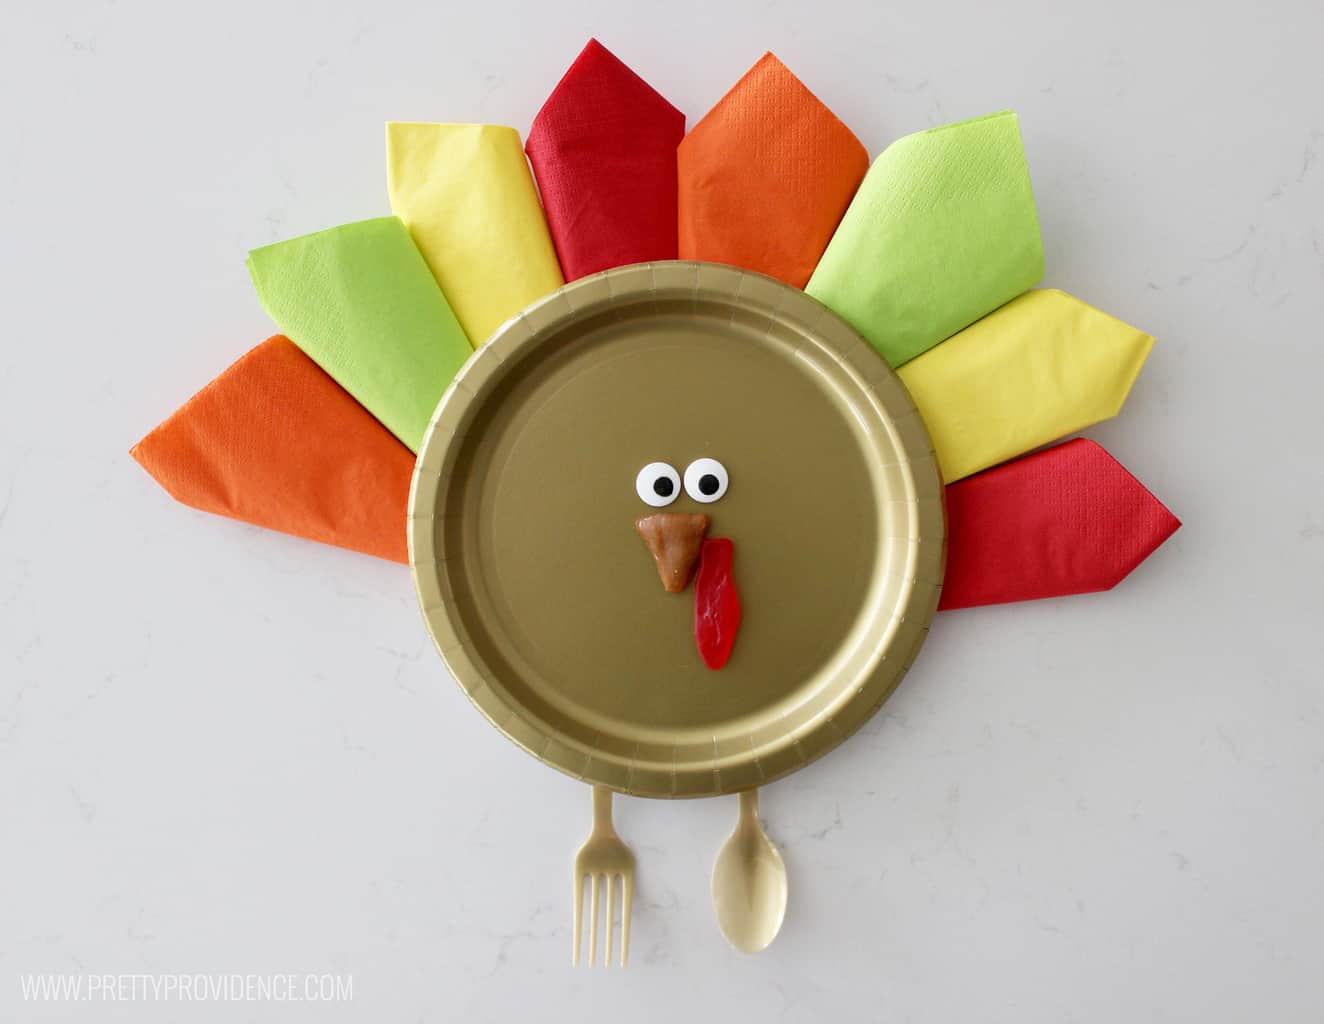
x: 663, y: 486
x: 708, y: 484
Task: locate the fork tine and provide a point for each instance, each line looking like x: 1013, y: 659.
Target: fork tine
x: 579, y: 918
x: 627, y: 898
x: 593, y: 921
x: 610, y: 881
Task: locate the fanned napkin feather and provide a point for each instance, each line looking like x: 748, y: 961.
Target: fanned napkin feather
x: 1066, y: 520
x: 766, y: 175
x: 942, y: 230
x: 603, y: 150
x: 359, y: 300
x: 276, y: 442
x: 1043, y: 366
x: 466, y: 194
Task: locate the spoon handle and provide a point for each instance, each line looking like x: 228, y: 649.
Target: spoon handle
x: 749, y: 808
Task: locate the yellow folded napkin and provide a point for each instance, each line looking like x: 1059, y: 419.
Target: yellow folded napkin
x: 1040, y: 367
x: 467, y: 197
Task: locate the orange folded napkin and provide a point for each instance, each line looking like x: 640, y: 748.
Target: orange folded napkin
x: 765, y: 176
x: 276, y: 442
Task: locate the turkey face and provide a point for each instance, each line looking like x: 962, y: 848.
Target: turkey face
x: 679, y: 545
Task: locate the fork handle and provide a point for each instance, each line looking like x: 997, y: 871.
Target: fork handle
x: 602, y: 811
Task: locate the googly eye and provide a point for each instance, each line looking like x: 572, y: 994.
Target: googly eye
x: 705, y: 480
x: 657, y: 484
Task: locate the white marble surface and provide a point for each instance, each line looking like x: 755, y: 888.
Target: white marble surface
x: 226, y: 750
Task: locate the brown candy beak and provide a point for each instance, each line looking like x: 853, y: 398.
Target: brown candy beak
x: 673, y: 539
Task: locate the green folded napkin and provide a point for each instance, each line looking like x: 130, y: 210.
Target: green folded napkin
x: 941, y: 231
x: 360, y: 301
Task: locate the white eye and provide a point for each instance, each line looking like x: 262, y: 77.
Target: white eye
x: 658, y: 484
x: 705, y: 480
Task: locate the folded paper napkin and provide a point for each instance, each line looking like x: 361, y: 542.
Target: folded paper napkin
x: 942, y: 230
x: 765, y: 176
x: 1066, y: 520
x: 603, y: 150
x: 359, y: 300
x: 466, y: 194
x: 1043, y: 366
x: 276, y: 442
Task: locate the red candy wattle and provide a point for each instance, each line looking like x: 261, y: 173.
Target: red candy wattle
x: 716, y: 603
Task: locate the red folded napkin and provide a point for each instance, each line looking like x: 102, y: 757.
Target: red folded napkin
x: 603, y: 149
x: 766, y: 175
x: 276, y: 442
x: 1066, y: 520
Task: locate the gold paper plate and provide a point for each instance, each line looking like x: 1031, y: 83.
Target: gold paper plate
x: 546, y: 605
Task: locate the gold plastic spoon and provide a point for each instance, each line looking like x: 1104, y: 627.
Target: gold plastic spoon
x: 749, y: 882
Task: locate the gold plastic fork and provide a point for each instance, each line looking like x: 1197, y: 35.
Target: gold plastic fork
x: 602, y: 860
